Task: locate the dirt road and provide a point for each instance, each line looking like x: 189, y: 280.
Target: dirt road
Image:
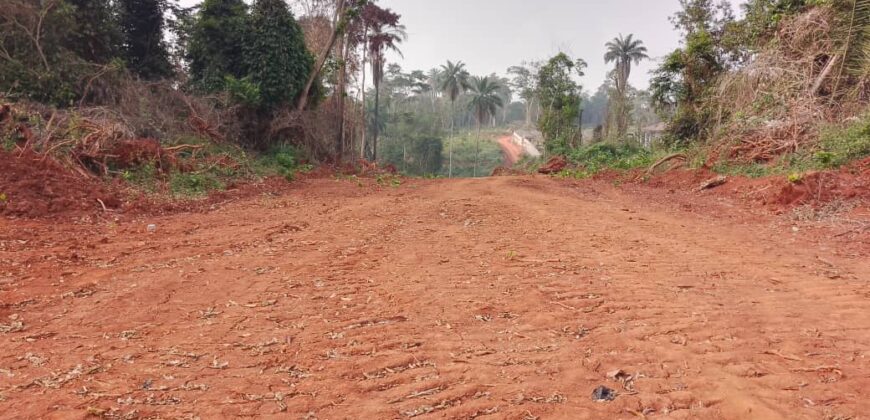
x: 512, y: 152
x: 494, y: 298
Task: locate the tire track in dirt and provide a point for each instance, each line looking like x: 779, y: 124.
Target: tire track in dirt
x: 506, y: 298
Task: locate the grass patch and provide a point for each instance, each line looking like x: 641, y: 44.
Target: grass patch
x: 193, y: 184
x: 840, y: 145
x: 600, y: 156
x: 281, y: 161
x: 144, y: 177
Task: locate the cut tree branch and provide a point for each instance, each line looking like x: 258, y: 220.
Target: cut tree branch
x: 339, y: 26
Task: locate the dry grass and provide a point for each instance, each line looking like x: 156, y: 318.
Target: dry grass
x: 777, y: 103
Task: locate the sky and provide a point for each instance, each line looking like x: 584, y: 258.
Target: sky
x: 492, y: 35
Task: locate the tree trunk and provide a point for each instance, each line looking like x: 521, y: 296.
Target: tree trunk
x: 365, y: 124
x: 342, y: 93
x: 452, y: 138
x: 377, y: 121
x: 477, y: 150
x: 338, y: 28
x: 820, y: 81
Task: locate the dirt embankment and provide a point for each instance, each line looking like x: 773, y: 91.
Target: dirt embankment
x: 33, y: 185
x: 776, y: 193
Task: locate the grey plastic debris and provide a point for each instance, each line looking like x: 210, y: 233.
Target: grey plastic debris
x: 603, y: 394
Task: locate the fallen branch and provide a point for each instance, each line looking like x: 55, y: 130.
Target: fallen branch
x: 666, y: 159
x: 182, y: 147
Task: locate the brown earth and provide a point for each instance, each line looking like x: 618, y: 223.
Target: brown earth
x: 33, y: 185
x: 779, y: 193
x: 511, y: 151
x: 511, y: 297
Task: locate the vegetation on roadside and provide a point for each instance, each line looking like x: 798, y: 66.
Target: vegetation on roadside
x: 229, y: 89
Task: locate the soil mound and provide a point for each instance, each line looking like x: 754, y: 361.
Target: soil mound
x: 32, y: 185
x: 554, y: 165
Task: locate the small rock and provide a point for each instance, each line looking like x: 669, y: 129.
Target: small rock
x: 152, y: 228
x: 603, y: 394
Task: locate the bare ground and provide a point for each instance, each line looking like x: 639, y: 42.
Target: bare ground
x: 495, y: 298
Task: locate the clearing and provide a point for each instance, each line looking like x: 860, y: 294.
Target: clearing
x: 508, y: 297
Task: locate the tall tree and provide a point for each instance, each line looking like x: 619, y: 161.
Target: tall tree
x: 524, y: 80
x: 454, y: 81
x: 219, y: 33
x: 96, y: 36
x: 385, y: 34
x: 276, y: 56
x: 144, y: 47
x: 623, y: 52
x: 559, y: 95
x: 484, y: 103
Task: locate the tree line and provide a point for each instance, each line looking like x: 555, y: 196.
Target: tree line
x: 316, y: 73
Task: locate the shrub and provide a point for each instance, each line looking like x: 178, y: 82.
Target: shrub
x: 606, y: 155
x: 193, y: 184
x: 840, y: 145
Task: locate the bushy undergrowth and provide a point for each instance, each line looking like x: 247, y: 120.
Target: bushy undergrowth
x: 464, y: 150
x: 601, y: 156
x: 842, y: 144
x: 213, y: 168
x: 838, y: 145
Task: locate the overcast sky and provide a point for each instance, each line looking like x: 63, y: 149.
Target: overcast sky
x: 492, y: 35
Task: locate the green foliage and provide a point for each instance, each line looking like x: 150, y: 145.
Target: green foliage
x: 623, y: 51
x: 47, y: 47
x: 454, y: 80
x: 617, y: 156
x: 842, y: 144
x: 465, y: 149
x: 143, y: 176
x: 389, y: 180
x: 795, y: 177
x: 96, y: 36
x: 275, y: 55
x: 686, y: 79
x: 144, y: 48
x: 243, y: 91
x: 414, y: 155
x: 281, y: 160
x: 193, y: 184
x: 559, y: 96
x: 485, y: 100
x: 218, y: 35
x: 762, y: 18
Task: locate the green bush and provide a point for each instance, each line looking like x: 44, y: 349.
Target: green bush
x: 193, y: 184
x: 605, y: 155
x: 840, y: 145
x: 280, y: 160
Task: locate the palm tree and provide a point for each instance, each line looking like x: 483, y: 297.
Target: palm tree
x: 454, y: 81
x: 385, y: 36
x: 485, y: 102
x: 623, y: 52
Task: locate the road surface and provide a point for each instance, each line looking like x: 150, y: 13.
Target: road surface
x: 493, y: 298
